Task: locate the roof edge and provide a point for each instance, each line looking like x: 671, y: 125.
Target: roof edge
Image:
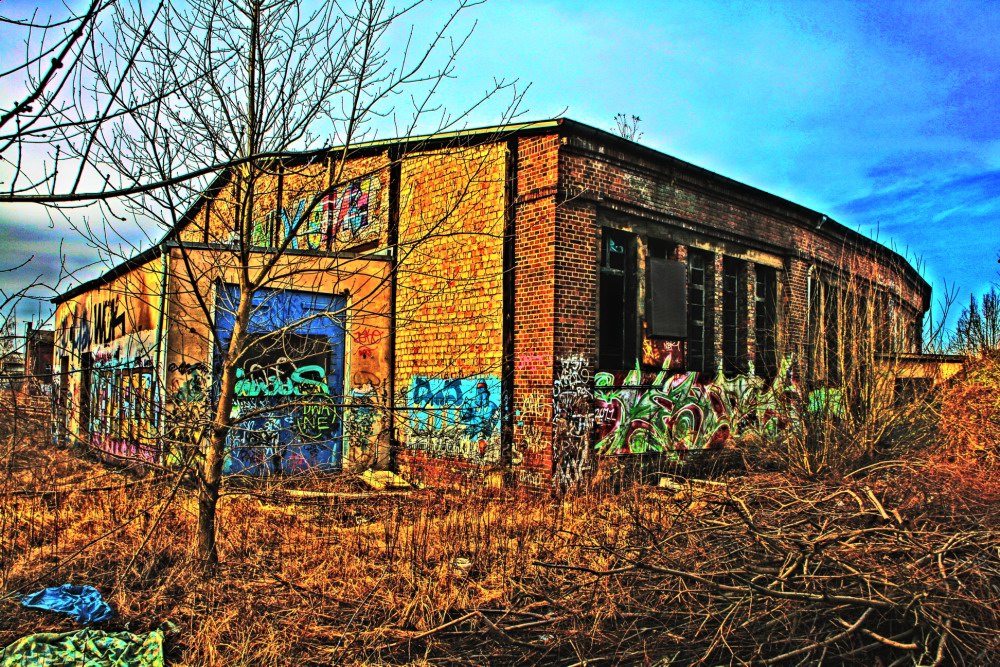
x: 111, y: 274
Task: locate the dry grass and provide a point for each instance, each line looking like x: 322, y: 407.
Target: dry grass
x: 898, y: 562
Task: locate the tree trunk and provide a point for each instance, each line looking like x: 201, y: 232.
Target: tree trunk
x: 210, y: 479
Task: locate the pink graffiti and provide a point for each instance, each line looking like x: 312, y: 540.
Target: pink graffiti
x: 529, y: 361
x: 123, y: 448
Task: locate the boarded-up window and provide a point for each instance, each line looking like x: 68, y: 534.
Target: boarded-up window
x: 667, y: 316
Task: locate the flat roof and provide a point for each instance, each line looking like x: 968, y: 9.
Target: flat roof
x: 829, y: 226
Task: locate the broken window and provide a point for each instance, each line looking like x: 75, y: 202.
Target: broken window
x: 698, y: 343
x: 617, y: 309
x: 766, y: 322
x: 734, y: 316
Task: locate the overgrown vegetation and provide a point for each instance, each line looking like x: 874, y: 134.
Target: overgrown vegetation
x: 894, y: 563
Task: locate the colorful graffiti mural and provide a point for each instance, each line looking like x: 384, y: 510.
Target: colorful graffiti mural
x: 457, y: 417
x: 122, y: 419
x: 188, y: 407
x: 528, y: 418
x: 349, y: 216
x: 115, y: 334
x: 361, y: 419
x: 289, y: 385
x: 639, y: 413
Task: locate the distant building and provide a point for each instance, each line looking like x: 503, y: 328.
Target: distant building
x: 11, y: 370
x: 517, y: 300
x: 38, y: 350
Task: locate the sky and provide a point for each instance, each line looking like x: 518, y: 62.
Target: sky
x: 883, y: 115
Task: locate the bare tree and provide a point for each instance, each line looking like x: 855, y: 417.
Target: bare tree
x: 217, y: 103
x: 977, y: 331
x: 70, y: 95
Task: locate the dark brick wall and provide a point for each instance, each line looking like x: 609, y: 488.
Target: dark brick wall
x: 600, y: 180
x: 534, y: 306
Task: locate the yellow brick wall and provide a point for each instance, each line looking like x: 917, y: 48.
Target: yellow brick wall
x: 115, y: 327
x: 450, y: 303
x: 366, y: 359
x: 354, y: 213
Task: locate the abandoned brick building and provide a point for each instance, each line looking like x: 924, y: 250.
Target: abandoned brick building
x: 518, y: 300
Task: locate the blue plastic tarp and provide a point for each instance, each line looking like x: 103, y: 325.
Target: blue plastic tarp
x: 83, y: 603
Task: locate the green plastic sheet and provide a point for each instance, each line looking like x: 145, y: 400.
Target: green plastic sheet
x: 85, y: 648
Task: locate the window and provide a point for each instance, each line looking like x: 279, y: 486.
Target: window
x: 834, y: 349
x: 667, y: 318
x: 766, y: 322
x: 617, y: 301
x: 734, y: 316
x: 698, y: 343
x: 827, y: 354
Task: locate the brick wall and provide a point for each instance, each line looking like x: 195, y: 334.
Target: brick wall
x: 534, y: 307
x: 449, y: 307
x: 107, y: 337
x: 352, y: 212
x: 672, y: 200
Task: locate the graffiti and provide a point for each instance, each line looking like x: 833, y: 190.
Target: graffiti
x: 315, y: 421
x: 189, y: 390
x: 348, y: 216
x: 355, y: 211
x: 367, y: 339
x: 253, y: 447
x: 572, y: 421
x: 186, y: 368
x: 529, y: 362
x: 674, y: 414
x: 283, y: 407
x: 74, y: 329
x: 529, y: 419
x: 104, y: 357
x: 122, y: 420
x: 123, y: 448
x: 359, y: 422
x: 369, y: 336
x: 456, y: 417
x: 660, y: 353
x: 529, y: 477
x: 288, y: 392
x: 298, y: 383
x: 108, y: 321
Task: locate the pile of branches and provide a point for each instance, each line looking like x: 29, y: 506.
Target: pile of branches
x: 891, y: 568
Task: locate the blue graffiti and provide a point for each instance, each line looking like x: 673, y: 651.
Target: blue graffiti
x: 442, y: 404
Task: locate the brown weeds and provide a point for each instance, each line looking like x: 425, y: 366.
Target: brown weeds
x: 898, y: 563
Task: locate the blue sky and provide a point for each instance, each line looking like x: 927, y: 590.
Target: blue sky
x: 883, y: 115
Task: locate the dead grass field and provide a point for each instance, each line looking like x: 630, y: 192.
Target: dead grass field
x: 898, y: 563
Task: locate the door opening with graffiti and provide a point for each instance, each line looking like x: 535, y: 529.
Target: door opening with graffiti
x: 290, y: 382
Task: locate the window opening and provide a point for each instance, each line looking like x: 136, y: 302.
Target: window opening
x: 766, y: 323
x: 666, y: 312
x: 734, y: 316
x: 697, y: 343
x: 617, y: 308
